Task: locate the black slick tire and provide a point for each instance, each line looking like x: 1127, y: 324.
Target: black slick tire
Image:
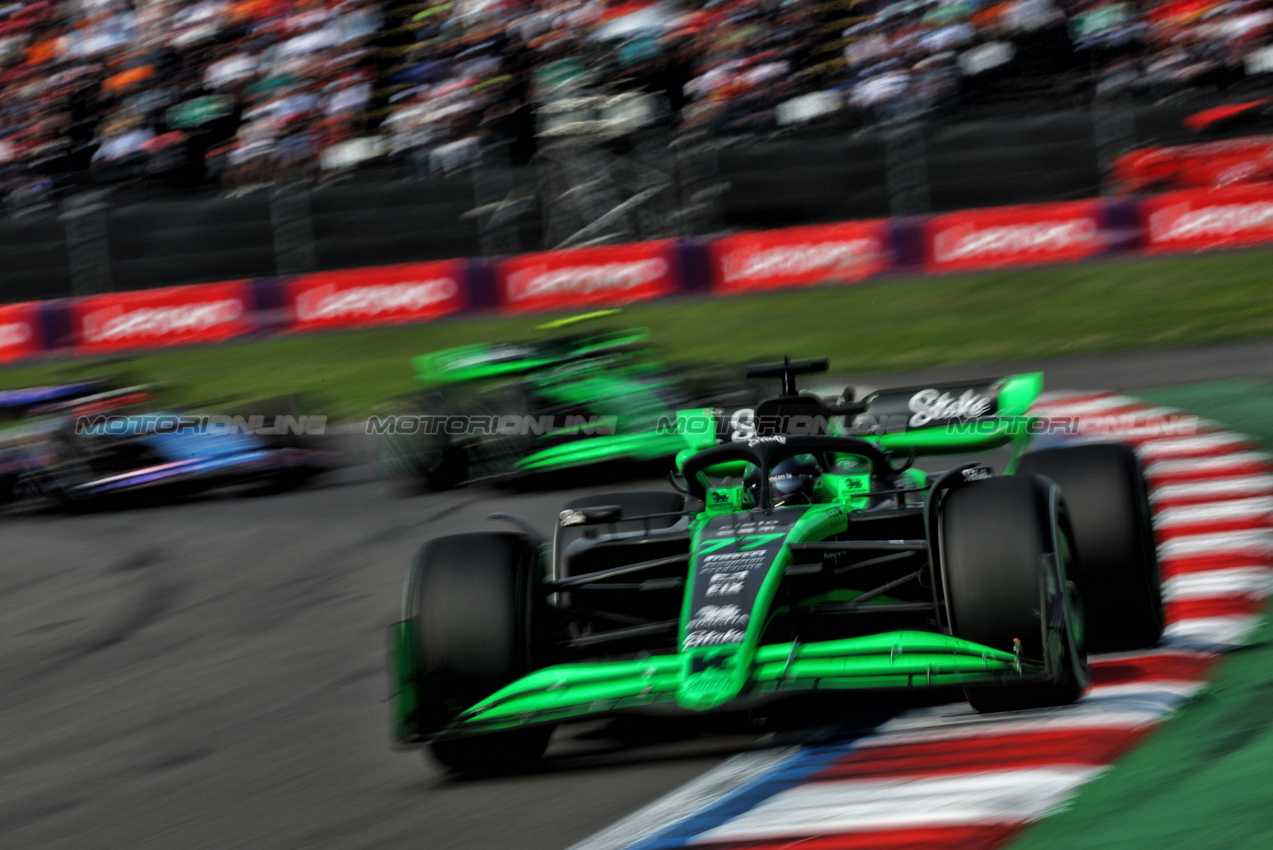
x: 477, y: 620
x: 1104, y: 490
x: 1002, y: 575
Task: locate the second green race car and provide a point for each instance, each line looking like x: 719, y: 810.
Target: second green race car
x: 558, y: 403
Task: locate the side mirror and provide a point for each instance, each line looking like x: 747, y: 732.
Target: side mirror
x: 598, y: 515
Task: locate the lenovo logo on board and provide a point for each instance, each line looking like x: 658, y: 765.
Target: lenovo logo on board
x: 368, y: 301
x: 1205, y: 219
x: 541, y: 281
x: 799, y: 256
x: 177, y: 315
x: 1010, y: 236
x: 612, y: 274
x: 120, y: 323
x: 380, y: 295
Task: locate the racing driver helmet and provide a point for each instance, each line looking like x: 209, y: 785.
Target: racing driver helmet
x: 791, y: 481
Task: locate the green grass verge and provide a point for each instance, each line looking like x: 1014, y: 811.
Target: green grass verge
x: 1204, y: 779
x: 872, y: 327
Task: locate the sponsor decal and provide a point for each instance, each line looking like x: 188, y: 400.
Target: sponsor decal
x: 894, y: 411
x: 572, y: 517
x: 726, y: 584
x: 799, y: 256
x: 719, y: 617
x: 707, y: 637
x: 1009, y: 236
x: 177, y: 315
x: 978, y: 473
x: 932, y: 404
x: 752, y: 442
x: 855, y: 483
x: 612, y: 274
x: 19, y: 331
x: 383, y: 295
x: 1198, y: 219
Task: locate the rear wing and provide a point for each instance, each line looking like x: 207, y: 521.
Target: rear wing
x: 938, y: 418
x: 954, y: 407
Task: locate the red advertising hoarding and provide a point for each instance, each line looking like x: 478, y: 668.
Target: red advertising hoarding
x: 178, y: 315
x: 799, y: 256
x: 1027, y: 235
x: 1200, y: 219
x: 381, y: 295
x: 587, y: 277
x: 20, y: 333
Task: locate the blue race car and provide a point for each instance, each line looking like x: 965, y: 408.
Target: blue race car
x: 79, y: 443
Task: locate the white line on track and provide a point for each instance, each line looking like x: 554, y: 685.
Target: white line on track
x: 1084, y: 407
x: 688, y: 799
x: 1195, y: 446
x: 1108, y: 707
x: 1197, y: 491
x: 1236, y: 581
x: 1210, y: 634
x: 1217, y: 543
x: 1258, y: 507
x: 1216, y: 464
x: 850, y: 805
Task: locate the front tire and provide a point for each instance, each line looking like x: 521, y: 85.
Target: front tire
x: 1007, y: 577
x: 1104, y: 491
x: 477, y: 618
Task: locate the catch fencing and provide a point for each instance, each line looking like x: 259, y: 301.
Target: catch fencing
x: 840, y: 254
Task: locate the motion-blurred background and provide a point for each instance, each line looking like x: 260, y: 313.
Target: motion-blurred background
x: 154, y: 142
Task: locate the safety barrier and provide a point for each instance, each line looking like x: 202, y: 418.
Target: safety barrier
x: 833, y: 254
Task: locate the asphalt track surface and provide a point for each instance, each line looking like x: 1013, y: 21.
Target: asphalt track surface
x: 211, y: 673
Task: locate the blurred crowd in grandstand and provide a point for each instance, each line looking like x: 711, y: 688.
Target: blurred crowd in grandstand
x: 239, y: 93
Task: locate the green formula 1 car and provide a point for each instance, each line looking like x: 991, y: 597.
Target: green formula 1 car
x: 788, y: 563
x: 563, y: 402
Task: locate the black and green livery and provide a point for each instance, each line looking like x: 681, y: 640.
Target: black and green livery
x: 714, y: 597
x: 557, y: 403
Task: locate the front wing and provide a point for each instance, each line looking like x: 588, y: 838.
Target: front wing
x: 887, y: 661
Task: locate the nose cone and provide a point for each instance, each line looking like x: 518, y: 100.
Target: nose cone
x: 711, y: 677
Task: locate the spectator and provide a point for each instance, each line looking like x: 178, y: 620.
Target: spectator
x: 265, y: 88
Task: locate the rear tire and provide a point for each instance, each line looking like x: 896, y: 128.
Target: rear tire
x: 1104, y: 491
x: 478, y: 623
x: 999, y: 541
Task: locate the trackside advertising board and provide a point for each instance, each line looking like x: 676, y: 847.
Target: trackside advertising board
x: 382, y: 295
x: 1013, y: 236
x: 588, y: 277
x: 178, y: 315
x: 20, y: 331
x: 800, y: 256
x: 1199, y: 219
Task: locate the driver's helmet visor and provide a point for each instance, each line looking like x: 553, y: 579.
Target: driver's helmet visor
x: 794, y: 480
